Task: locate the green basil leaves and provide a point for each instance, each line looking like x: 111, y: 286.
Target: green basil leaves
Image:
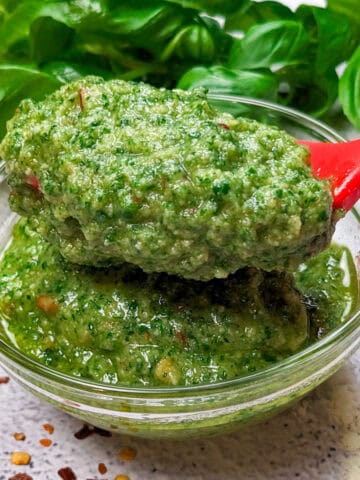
x: 243, y: 47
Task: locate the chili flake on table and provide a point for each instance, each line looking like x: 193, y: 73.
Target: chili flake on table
x: 102, y: 468
x: 45, y: 442
x: 88, y: 430
x: 67, y: 473
x: 49, y: 428
x: 21, y: 476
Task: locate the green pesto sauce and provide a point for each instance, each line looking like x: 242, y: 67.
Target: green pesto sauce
x: 125, y: 172
x: 123, y: 326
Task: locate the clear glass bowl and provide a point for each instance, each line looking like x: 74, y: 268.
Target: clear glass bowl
x: 207, y: 409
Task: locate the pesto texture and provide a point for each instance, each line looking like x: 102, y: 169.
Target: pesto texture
x: 122, y: 172
x: 122, y: 326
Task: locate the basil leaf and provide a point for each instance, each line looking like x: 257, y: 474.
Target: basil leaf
x: 3, y: 14
x: 193, y: 42
x: 332, y: 35
x: 82, y: 15
x: 312, y: 93
x: 18, y: 82
x: 254, y: 13
x: 10, y: 5
x: 221, y: 39
x: 211, y: 6
x: 126, y: 19
x: 200, y: 42
x: 63, y: 72
x: 43, y: 32
x: 69, y: 71
x: 270, y: 45
x: 162, y: 29
x: 349, y: 89
x: 350, y: 8
x: 149, y: 25
x: 252, y: 83
x: 18, y: 23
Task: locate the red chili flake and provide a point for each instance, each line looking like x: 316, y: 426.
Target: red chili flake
x: 181, y: 337
x: 45, y: 442
x: 102, y: 432
x: 137, y: 200
x: 33, y: 181
x: 49, y: 428
x: 81, y: 98
x: 4, y: 380
x: 46, y: 303
x: 21, y: 476
x: 66, y: 473
x: 84, y: 432
x: 102, y: 468
x: 223, y: 125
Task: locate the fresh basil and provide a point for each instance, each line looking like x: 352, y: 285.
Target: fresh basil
x: 42, y: 45
x: 314, y: 94
x: 18, y: 82
x: 349, y: 91
x: 252, y: 83
x: 256, y: 48
x: 350, y: 8
x: 332, y: 36
x: 270, y: 45
x: 211, y: 6
x: 249, y: 14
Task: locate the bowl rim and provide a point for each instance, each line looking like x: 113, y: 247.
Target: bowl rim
x: 323, y: 344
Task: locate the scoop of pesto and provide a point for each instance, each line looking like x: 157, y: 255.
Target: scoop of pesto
x: 123, y: 326
x: 124, y: 172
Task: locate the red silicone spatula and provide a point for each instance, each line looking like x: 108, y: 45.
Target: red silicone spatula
x: 341, y: 163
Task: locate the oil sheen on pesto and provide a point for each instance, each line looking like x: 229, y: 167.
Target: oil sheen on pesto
x: 122, y: 326
x: 124, y: 172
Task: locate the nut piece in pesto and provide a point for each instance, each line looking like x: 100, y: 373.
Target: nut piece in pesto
x: 125, y: 172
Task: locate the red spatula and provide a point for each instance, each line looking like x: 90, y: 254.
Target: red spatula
x: 341, y: 163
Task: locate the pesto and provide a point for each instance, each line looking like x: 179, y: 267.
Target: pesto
x: 122, y: 172
x: 122, y: 326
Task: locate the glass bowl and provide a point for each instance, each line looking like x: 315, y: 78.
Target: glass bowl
x: 183, y: 412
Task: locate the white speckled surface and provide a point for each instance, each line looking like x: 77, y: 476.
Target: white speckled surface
x: 318, y: 439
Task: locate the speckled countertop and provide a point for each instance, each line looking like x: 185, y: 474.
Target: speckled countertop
x: 317, y: 439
